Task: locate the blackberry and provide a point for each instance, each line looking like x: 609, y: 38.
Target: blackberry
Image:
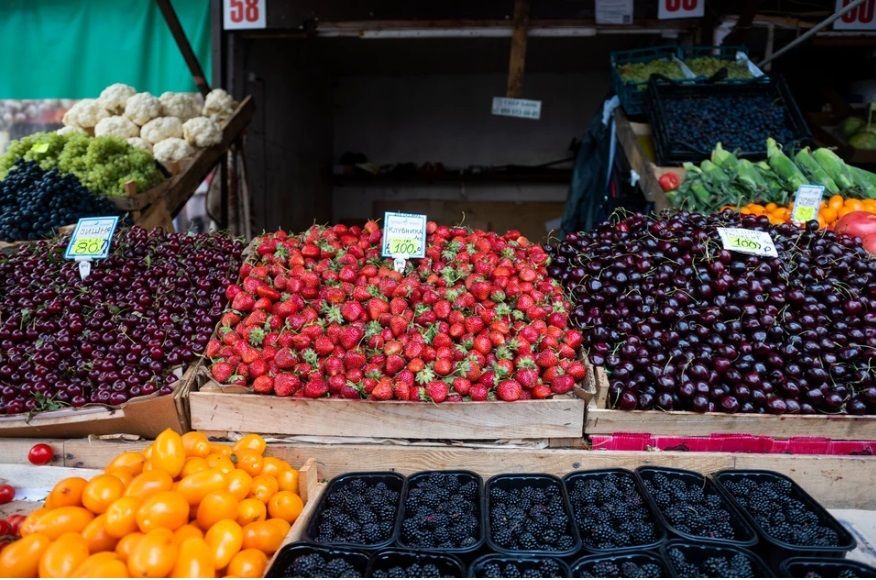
x: 691, y: 505
x: 530, y: 519
x: 771, y: 503
x: 716, y: 565
x: 412, y: 571
x: 441, y: 510
x: 627, y: 569
x: 357, y: 512
x: 539, y: 568
x: 610, y: 512
x: 315, y: 565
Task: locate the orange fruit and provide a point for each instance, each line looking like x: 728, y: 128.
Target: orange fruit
x: 121, y: 516
x: 263, y: 487
x: 97, y: 537
x: 249, y: 461
x: 248, y: 564
x: 289, y: 480
x: 251, y: 442
x: 225, y: 539
x: 63, y: 556
x: 165, y: 509
x: 239, y: 483
x: 285, y: 505
x: 149, y: 483
x: 219, y: 505
x: 101, y: 491
x: 251, y: 510
x: 154, y: 555
x: 196, y: 444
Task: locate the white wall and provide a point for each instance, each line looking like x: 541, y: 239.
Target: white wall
x: 447, y: 118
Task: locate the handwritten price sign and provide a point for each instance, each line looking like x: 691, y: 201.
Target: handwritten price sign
x: 244, y: 14
x: 807, y: 202
x: 748, y: 241
x: 669, y: 9
x: 404, y: 235
x: 91, y: 238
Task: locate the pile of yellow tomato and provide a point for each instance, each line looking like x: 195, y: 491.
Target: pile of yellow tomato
x: 831, y: 210
x: 184, y: 507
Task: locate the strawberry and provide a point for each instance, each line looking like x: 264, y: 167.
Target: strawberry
x: 333, y: 366
x: 263, y: 385
x: 213, y: 347
x: 509, y: 390
x: 335, y: 384
x: 258, y: 368
x: 401, y: 391
x: 546, y: 359
x: 437, y: 391
x: 323, y: 345
x: 474, y: 324
x: 376, y: 307
x: 383, y: 391
x: 285, y: 359
x: 443, y: 366
x: 243, y: 302
x: 442, y: 309
x: 394, y: 364
x: 286, y: 384
x: 461, y: 386
x: 266, y: 291
x: 352, y: 311
x: 398, y: 325
x: 221, y: 371
x: 526, y: 373
x: 351, y: 390
x: 414, y: 349
x: 232, y: 290
x: 483, y: 344
x: 353, y: 360
x: 479, y: 392
x: 577, y: 370
x: 562, y: 384
x: 573, y: 338
x: 541, y: 391
x: 350, y: 336
x: 315, y: 388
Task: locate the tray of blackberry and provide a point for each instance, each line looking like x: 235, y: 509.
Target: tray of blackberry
x: 394, y: 563
x: 789, y: 521
x: 611, y: 511
x: 529, y: 515
x: 441, y: 511
x: 34, y: 203
x: 358, y: 510
x: 499, y: 566
x: 690, y: 506
x: 825, y: 568
x: 306, y: 560
x: 620, y: 565
x: 686, y: 560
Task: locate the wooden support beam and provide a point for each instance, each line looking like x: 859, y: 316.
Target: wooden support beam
x: 185, y: 48
x: 517, y: 59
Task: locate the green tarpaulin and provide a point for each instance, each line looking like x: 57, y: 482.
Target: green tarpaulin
x: 75, y: 48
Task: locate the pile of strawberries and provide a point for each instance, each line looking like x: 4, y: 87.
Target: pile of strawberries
x: 322, y: 314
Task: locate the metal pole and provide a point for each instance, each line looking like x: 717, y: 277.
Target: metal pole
x: 811, y: 32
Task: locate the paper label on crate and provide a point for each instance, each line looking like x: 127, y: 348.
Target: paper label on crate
x: 520, y: 108
x: 807, y: 202
x: 669, y: 9
x: 91, y: 239
x: 748, y: 241
x: 861, y: 17
x: 614, y: 11
x: 244, y: 14
x: 404, y: 235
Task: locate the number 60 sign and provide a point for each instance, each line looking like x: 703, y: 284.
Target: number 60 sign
x: 243, y: 14
x: 669, y: 9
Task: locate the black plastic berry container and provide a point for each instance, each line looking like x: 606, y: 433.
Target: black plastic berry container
x: 519, y: 481
x: 286, y: 556
x: 825, y: 568
x: 393, y: 481
x: 774, y: 549
x: 640, y: 558
x: 659, y: 530
x: 467, y: 552
x: 745, y: 534
x: 447, y: 565
x: 698, y: 553
x: 476, y: 570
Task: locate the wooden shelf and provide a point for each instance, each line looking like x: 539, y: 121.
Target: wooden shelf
x: 546, y: 176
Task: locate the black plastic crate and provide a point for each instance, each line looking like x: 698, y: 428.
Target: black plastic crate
x: 571, y: 479
x: 518, y: 482
x: 774, y: 549
x: 825, y: 568
x: 413, y: 483
x: 448, y: 566
x: 745, y: 536
x: 700, y: 553
x: 282, y: 567
x: 523, y: 563
x: 671, y: 150
x: 600, y: 566
x: 393, y: 481
x: 632, y: 93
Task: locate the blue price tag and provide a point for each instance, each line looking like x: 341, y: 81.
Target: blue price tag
x: 92, y: 238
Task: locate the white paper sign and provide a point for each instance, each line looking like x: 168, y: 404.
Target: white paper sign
x: 807, y: 202
x: 861, y: 17
x: 614, y: 11
x: 669, y: 9
x: 244, y: 14
x: 404, y: 235
x: 91, y: 239
x: 748, y: 241
x: 522, y: 108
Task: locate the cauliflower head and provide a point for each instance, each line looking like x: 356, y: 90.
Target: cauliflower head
x: 219, y: 105
x: 140, y: 144
x: 117, y: 126
x: 183, y: 106
x: 170, y: 151
x: 202, y: 132
x: 114, y: 97
x: 85, y: 114
x: 160, y: 129
x: 142, y: 108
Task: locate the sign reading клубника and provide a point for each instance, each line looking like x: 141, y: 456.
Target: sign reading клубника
x: 404, y: 237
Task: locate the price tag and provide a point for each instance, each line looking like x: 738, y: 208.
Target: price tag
x: 807, y: 202
x: 669, y: 9
x: 861, y: 17
x: 91, y: 239
x: 748, y: 241
x: 404, y: 235
x: 244, y: 14
x: 521, y: 108
x: 614, y: 11
x: 40, y: 148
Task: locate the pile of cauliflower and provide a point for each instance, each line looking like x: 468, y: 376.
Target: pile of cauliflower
x: 172, y: 127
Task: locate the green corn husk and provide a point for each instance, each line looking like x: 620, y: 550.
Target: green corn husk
x: 814, y: 171
x: 835, y: 167
x: 784, y: 167
x: 724, y: 159
x: 748, y: 175
x: 864, y: 181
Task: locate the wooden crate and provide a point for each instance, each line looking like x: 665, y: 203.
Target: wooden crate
x: 145, y: 416
x: 601, y: 420
x: 32, y: 484
x: 310, y: 488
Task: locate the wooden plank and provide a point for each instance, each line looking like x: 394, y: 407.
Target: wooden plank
x: 639, y: 162
x: 517, y: 58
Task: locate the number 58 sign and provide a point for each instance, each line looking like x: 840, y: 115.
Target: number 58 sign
x: 243, y: 14
x: 669, y: 9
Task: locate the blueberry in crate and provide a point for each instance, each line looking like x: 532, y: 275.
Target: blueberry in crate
x: 442, y: 510
x: 499, y: 566
x: 692, y: 507
x: 686, y: 560
x: 620, y: 565
x: 825, y: 568
x: 395, y: 563
x: 305, y: 560
x: 529, y: 514
x: 358, y: 510
x: 611, y: 511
